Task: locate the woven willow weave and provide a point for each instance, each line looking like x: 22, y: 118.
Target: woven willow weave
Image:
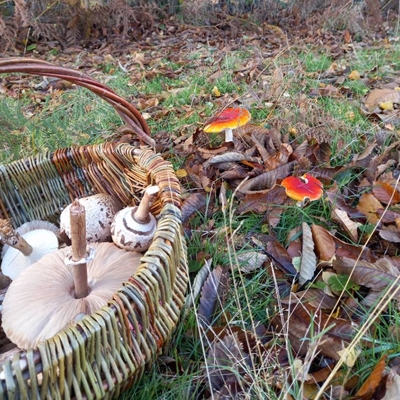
x: 105, y: 353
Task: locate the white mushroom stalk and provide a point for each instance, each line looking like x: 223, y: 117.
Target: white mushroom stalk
x: 229, y: 119
x: 133, y: 228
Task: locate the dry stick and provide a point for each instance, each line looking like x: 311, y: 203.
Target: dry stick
x: 78, y: 245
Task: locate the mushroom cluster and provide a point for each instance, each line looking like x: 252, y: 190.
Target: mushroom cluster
x: 61, y: 287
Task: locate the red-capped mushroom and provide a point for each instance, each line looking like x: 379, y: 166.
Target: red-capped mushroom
x: 303, y: 189
x: 229, y: 119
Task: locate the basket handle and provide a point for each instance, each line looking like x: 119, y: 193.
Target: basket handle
x: 127, y: 111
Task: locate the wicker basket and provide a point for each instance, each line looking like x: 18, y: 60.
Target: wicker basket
x: 105, y: 353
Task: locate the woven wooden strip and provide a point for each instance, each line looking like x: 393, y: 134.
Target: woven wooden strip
x: 126, y: 110
x: 104, y: 353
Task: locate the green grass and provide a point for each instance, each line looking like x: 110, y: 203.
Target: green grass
x: 78, y: 117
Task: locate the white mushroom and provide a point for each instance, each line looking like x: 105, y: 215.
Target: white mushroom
x: 26, y: 249
x: 133, y: 228
x: 100, y: 210
x: 31, y: 226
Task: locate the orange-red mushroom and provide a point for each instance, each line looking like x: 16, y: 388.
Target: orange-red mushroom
x: 303, y: 189
x: 229, y: 119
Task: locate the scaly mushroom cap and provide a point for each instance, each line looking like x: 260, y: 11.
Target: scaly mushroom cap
x: 230, y: 118
x: 100, y: 210
x: 303, y: 188
x: 133, y: 228
x: 41, y: 302
x: 131, y: 234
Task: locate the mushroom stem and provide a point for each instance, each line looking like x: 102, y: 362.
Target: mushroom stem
x: 78, y: 245
x: 228, y: 135
x: 9, y: 236
x: 141, y: 214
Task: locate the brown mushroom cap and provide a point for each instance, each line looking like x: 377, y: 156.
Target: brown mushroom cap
x: 230, y: 118
x: 41, y: 302
x: 303, y: 188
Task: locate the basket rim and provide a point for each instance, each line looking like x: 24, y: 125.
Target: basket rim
x: 126, y: 110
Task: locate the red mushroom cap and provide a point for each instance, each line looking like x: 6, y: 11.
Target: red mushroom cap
x: 230, y: 118
x: 303, y: 188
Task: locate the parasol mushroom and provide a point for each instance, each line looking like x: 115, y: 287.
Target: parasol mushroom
x: 23, y: 250
x: 31, y: 226
x: 100, y: 210
x: 47, y: 297
x: 229, y: 119
x: 133, y: 228
x: 303, y: 189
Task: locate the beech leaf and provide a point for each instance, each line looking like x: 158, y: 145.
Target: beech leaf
x: 346, y: 223
x: 385, y: 193
x: 364, y: 273
x: 225, y: 361
x: 324, y: 243
x: 197, y: 284
x: 369, y: 205
x: 392, y: 386
x: 378, y: 96
x: 192, y: 204
x: 367, y: 390
x: 267, y: 179
x: 308, y: 259
x: 306, y: 322
x: 211, y: 294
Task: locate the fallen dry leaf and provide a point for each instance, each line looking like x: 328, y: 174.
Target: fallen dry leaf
x: 378, y: 96
x: 392, y: 386
x: 385, y: 193
x: 303, y: 321
x: 368, y: 388
x: 212, y: 294
x: 364, y: 273
x: 324, y: 242
x: 350, y: 226
x: 308, y: 259
x: 369, y: 205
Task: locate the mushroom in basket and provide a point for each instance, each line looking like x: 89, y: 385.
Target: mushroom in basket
x: 133, y: 228
x: 100, y: 210
x: 65, y: 285
x: 25, y: 245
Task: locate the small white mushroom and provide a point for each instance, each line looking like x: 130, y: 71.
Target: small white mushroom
x: 24, y: 250
x: 100, y: 210
x: 31, y: 226
x: 133, y: 228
